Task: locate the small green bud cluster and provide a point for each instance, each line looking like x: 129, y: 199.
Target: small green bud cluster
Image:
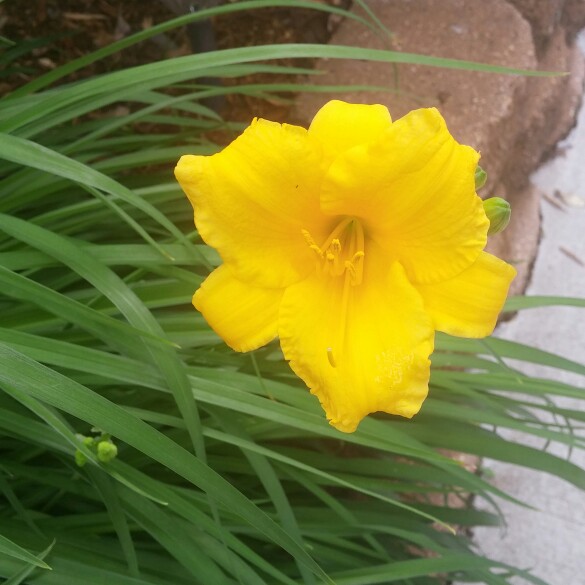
x: 480, y: 178
x: 497, y: 210
x: 102, y: 445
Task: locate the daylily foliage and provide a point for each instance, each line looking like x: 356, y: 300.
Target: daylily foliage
x: 353, y: 242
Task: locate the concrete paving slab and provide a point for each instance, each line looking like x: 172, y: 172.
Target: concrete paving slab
x: 551, y: 539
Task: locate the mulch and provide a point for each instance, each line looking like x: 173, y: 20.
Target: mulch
x: 53, y: 32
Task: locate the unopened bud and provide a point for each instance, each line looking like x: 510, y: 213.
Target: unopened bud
x: 80, y: 458
x: 480, y: 177
x: 106, y: 451
x: 498, y: 212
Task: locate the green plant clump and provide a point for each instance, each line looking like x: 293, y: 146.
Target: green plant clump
x: 135, y: 447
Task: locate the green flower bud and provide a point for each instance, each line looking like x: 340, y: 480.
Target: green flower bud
x: 106, y: 451
x: 88, y: 441
x: 498, y: 212
x: 480, y: 177
x: 80, y: 458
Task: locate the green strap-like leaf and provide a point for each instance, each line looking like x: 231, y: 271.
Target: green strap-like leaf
x: 46, y: 385
x: 7, y: 547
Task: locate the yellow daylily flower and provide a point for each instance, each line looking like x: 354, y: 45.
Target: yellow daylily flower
x: 352, y: 241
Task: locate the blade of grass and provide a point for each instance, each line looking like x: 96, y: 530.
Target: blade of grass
x: 33, y: 379
x: 75, y: 65
x: 121, y: 85
x: 117, y: 515
x: 11, y: 549
x: 34, y: 155
x: 19, y: 577
x: 534, y: 302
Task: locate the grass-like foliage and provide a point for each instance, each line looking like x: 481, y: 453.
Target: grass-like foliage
x: 226, y: 470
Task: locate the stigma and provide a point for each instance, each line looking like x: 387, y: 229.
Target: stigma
x: 342, y: 253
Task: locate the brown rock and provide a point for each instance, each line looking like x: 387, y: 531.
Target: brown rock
x: 518, y: 244
x: 471, y: 102
x: 514, y: 121
x: 544, y: 18
x: 547, y: 16
x: 573, y: 18
x: 545, y: 114
x: 544, y: 111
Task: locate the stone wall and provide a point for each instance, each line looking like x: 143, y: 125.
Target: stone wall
x: 514, y: 121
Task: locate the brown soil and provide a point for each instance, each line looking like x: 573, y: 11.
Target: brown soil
x: 60, y: 31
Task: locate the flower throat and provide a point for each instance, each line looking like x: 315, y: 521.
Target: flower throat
x: 342, y: 253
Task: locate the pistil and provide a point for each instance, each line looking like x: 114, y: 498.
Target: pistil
x: 341, y: 256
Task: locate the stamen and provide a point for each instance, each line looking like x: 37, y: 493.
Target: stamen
x: 349, y: 266
x: 308, y: 238
x: 357, y: 263
x: 311, y: 243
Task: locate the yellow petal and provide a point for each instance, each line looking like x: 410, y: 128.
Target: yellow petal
x: 468, y: 305
x: 362, y: 348
x: 340, y: 126
x: 245, y: 317
x: 253, y: 199
x: 414, y: 191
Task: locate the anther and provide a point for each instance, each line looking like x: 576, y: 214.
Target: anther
x: 342, y: 251
x: 308, y: 238
x: 335, y: 246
